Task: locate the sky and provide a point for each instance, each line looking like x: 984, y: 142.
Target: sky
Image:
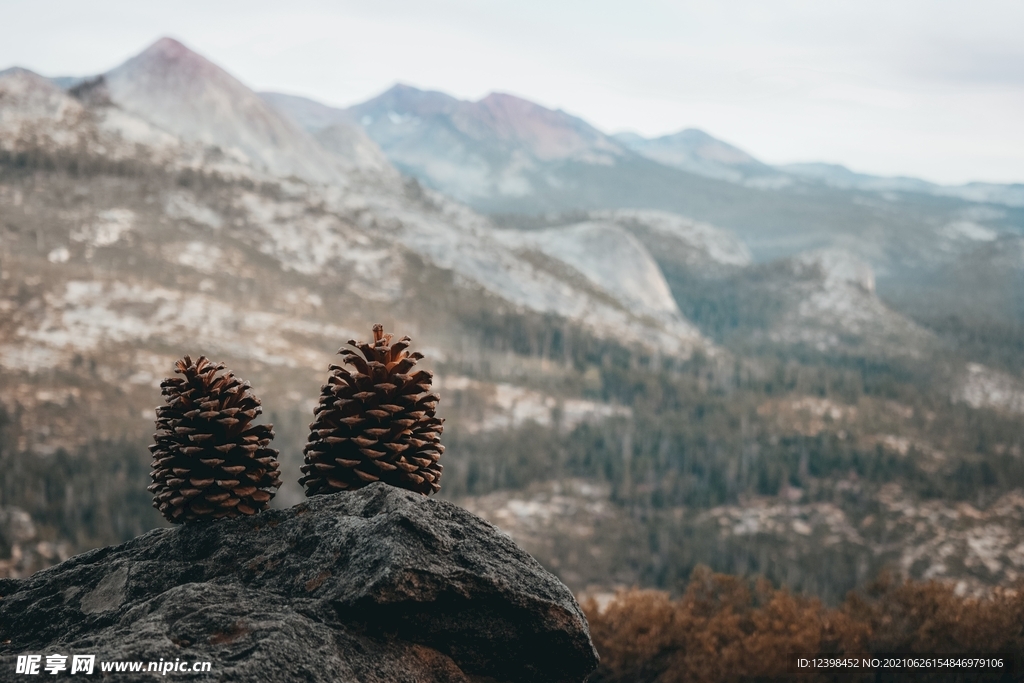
x: 924, y: 88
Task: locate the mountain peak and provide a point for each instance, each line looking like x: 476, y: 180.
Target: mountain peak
x: 498, y: 126
x: 13, y: 71
x: 26, y: 95
x: 168, y: 63
x: 406, y: 88
x: 513, y: 107
x: 547, y: 133
x: 184, y: 93
x: 405, y: 99
x: 505, y: 100
x: 695, y: 151
x: 168, y: 54
x: 22, y: 79
x: 169, y: 47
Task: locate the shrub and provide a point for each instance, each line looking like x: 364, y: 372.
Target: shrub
x: 724, y: 628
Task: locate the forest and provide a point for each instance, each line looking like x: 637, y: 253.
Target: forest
x: 703, y: 433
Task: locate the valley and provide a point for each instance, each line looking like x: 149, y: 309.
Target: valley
x: 644, y: 367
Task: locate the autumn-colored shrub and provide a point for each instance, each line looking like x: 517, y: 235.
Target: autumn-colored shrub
x: 724, y: 628
x: 928, y: 616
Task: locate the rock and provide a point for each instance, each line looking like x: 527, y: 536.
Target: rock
x: 378, y: 585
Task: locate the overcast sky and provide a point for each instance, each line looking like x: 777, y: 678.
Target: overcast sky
x: 926, y: 88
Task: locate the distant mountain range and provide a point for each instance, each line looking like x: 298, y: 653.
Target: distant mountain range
x: 504, y: 155
x: 495, y: 142
x: 344, y: 221
x: 835, y: 175
x: 200, y: 117
x: 513, y: 158
x: 509, y: 156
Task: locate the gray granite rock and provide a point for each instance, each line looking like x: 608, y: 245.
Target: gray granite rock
x: 376, y: 585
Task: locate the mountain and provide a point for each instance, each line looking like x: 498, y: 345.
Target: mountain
x: 836, y: 175
x: 504, y: 147
x: 499, y: 146
x: 822, y: 300
x: 313, y: 116
x: 174, y: 90
x: 469, y: 150
x: 988, y: 193
x: 505, y: 156
x: 503, y: 120
x: 333, y: 128
x: 185, y: 94
x: 612, y: 260
x: 214, y: 230
x: 252, y: 266
x: 410, y: 124
x: 171, y: 105
x: 697, y: 152
x: 829, y: 304
x: 32, y: 106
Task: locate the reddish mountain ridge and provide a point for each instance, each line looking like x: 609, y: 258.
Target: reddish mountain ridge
x: 546, y: 134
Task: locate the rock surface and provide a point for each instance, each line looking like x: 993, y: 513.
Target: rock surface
x: 375, y: 585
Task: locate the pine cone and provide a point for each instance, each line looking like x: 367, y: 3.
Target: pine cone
x: 208, y: 461
x: 375, y: 424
